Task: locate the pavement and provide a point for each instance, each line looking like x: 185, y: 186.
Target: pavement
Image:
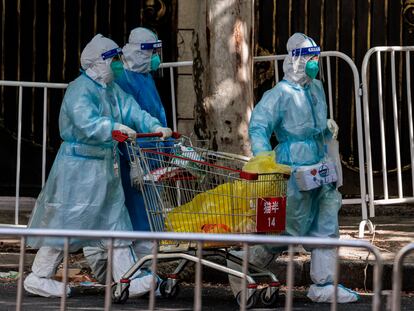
x: 394, y: 228
x: 214, y: 298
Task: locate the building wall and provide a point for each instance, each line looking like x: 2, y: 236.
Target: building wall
x: 187, y: 21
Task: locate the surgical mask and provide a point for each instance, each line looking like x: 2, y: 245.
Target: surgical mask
x: 155, y: 62
x: 312, y: 68
x: 101, y: 72
x: 117, y: 68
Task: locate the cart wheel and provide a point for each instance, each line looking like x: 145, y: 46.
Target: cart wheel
x: 121, y: 299
x: 250, y: 302
x: 174, y: 291
x: 272, y: 300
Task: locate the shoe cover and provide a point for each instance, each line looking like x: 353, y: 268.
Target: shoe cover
x: 97, y: 258
x: 141, y: 285
x: 158, y: 290
x: 158, y: 285
x: 44, y: 286
x: 123, y: 259
x: 325, y: 293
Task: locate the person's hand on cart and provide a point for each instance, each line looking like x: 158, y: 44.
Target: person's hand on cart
x: 125, y: 130
x: 165, y: 131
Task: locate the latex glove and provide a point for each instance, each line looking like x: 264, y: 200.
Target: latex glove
x: 126, y: 130
x: 166, y: 131
x: 332, y: 127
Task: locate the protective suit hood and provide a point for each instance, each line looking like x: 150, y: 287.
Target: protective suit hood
x: 135, y: 58
x: 97, y: 68
x: 294, y: 66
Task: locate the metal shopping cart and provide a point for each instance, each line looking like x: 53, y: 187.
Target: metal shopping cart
x: 191, y: 189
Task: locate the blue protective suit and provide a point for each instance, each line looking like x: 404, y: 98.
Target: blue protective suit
x: 83, y: 190
x: 297, y: 115
x: 142, y: 87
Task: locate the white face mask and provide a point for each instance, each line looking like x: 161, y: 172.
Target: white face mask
x: 101, y: 71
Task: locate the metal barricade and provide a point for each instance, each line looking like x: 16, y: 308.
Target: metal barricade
x: 397, y: 275
x: 45, y: 87
x: 277, y: 59
x: 388, y: 123
x: 244, y: 240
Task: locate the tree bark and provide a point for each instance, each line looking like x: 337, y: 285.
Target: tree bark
x: 222, y: 74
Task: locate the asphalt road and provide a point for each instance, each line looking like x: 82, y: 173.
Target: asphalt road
x: 214, y: 297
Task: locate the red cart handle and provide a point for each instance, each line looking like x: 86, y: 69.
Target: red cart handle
x: 174, y: 135
x: 121, y: 137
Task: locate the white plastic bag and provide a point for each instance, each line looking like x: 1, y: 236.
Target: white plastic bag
x: 333, y: 155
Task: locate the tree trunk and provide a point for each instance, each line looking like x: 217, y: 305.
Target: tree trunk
x: 222, y: 74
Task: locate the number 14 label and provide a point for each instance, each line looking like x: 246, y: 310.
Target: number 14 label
x: 271, y: 214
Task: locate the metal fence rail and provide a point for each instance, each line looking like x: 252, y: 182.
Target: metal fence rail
x: 171, y: 67
x: 388, y: 123
x: 45, y: 87
x: 244, y: 240
x: 277, y: 59
x: 397, y: 275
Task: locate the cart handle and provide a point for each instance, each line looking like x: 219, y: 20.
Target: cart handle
x: 174, y: 135
x: 121, y: 137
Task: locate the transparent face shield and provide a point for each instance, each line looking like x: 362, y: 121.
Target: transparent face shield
x: 113, y: 59
x: 156, y: 57
x: 301, y: 56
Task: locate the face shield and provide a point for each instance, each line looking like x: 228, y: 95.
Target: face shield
x: 308, y: 59
x: 113, y: 59
x: 156, y: 57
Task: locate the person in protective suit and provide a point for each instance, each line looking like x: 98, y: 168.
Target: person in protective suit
x: 83, y: 190
x: 295, y: 111
x: 141, y: 58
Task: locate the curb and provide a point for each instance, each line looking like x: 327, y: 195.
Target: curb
x: 10, y: 261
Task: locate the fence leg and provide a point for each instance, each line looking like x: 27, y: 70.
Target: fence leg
x: 154, y: 271
x: 21, y: 273
x: 289, y: 281
x: 108, y: 289
x: 198, y: 278
x: 65, y: 274
x: 368, y: 224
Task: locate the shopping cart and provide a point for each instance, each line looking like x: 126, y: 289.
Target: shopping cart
x: 192, y: 189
